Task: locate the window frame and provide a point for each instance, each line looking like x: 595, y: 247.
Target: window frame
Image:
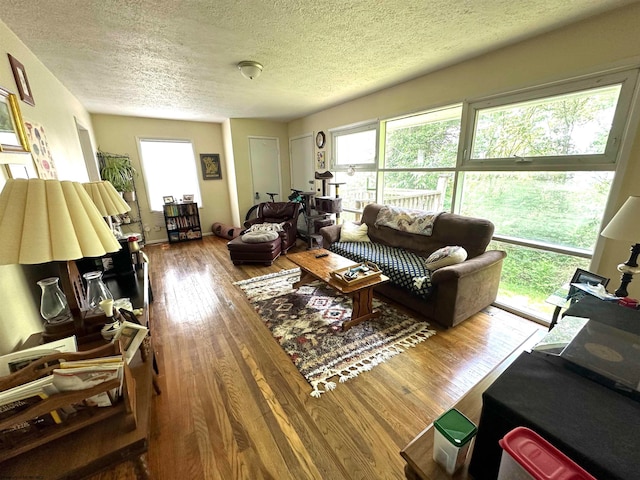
x: 606, y: 161
x: 350, y: 130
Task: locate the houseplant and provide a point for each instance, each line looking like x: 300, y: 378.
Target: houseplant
x: 118, y: 170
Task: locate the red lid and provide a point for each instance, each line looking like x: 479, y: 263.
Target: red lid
x: 541, y: 459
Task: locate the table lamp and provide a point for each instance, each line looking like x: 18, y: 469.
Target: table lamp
x: 108, y: 200
x: 50, y: 220
x: 625, y: 225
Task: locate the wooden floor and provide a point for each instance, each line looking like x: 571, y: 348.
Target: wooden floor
x: 233, y: 406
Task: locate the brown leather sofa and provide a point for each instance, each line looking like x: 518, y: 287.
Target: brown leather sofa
x: 459, y: 290
x: 279, y: 212
x: 285, y: 213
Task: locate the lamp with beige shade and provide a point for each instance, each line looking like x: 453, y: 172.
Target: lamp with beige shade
x: 50, y: 220
x: 625, y: 225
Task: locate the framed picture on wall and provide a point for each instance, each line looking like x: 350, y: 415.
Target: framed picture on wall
x: 20, y: 75
x: 13, y: 136
x: 210, y: 163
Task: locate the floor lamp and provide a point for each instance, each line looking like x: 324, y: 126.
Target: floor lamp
x: 50, y: 220
x: 625, y: 225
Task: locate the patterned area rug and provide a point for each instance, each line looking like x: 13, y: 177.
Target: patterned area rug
x: 307, y: 323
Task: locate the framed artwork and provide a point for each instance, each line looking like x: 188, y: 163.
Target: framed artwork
x: 20, y: 74
x: 321, y: 163
x: 210, y: 163
x: 13, y: 137
x: 168, y: 199
x: 40, y: 150
x: 583, y: 276
x: 187, y: 197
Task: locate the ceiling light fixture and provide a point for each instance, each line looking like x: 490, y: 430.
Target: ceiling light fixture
x: 250, y: 69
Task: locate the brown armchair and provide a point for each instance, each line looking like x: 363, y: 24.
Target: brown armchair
x: 279, y: 212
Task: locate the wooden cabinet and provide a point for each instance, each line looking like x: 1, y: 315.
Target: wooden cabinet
x: 182, y: 221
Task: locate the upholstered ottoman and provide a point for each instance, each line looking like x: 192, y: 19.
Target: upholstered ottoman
x: 261, y: 252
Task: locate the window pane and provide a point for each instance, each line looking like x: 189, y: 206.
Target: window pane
x: 169, y: 169
x: 355, y: 148
x: 429, y: 140
x: 529, y: 276
x: 572, y: 124
x: 418, y: 190
x: 358, y: 190
x: 560, y: 208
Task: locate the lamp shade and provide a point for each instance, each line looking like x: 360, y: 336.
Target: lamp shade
x: 50, y: 220
x: 106, y: 198
x: 625, y: 225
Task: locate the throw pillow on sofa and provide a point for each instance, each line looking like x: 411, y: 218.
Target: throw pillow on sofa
x: 260, y: 236
x: 350, y: 232
x: 446, y: 256
x: 266, y: 227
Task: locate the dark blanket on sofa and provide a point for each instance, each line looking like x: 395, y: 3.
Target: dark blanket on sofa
x: 404, y: 269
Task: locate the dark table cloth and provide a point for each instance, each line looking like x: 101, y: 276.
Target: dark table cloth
x: 595, y: 426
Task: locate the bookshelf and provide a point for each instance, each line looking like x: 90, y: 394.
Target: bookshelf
x: 182, y: 222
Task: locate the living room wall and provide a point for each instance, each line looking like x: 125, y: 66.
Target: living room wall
x: 600, y: 43
x: 241, y: 130
x: 119, y: 134
x: 57, y: 110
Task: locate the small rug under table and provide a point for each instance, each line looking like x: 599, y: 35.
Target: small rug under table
x: 307, y: 323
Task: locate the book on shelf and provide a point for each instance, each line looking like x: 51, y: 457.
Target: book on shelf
x: 12, y: 362
x: 18, y: 433
x: 83, y: 374
x: 130, y: 335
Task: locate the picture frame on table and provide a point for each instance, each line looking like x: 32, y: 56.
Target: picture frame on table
x: 584, y: 276
x: 13, y: 137
x: 168, y: 199
x: 211, y: 168
x: 20, y: 75
x: 188, y: 198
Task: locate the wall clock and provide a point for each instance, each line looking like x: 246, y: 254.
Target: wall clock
x: 320, y: 139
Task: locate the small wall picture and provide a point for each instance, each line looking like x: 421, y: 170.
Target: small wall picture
x: 187, y: 198
x: 211, y: 169
x: 20, y: 76
x: 321, y: 160
x: 168, y: 199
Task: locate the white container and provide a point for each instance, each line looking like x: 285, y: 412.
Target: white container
x: 526, y: 455
x: 452, y: 437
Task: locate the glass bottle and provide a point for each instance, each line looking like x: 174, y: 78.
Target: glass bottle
x: 53, y: 303
x: 97, y: 291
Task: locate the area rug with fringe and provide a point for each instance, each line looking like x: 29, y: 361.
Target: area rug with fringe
x: 307, y: 323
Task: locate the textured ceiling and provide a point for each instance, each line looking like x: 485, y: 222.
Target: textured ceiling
x: 177, y: 59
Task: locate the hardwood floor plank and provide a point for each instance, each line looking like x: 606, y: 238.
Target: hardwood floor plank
x: 233, y: 405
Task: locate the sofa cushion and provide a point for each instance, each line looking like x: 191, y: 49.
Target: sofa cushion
x: 446, y: 256
x: 350, y: 232
x: 259, y: 236
x: 404, y: 269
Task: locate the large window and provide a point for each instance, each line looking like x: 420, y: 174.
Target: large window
x: 577, y: 123
x: 539, y: 164
x: 169, y: 170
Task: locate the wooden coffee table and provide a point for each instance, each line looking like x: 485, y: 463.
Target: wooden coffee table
x: 314, y: 268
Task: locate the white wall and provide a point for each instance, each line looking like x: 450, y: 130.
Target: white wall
x: 56, y: 110
x: 117, y: 134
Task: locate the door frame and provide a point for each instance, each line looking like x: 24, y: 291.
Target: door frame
x: 312, y: 154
